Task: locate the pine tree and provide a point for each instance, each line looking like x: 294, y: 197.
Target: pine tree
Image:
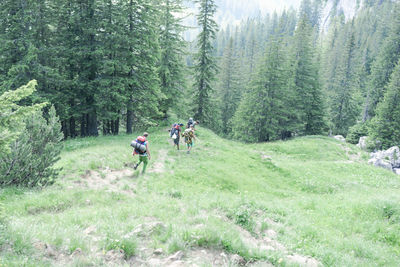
x: 305, y: 81
x: 344, y: 108
x: 111, y: 92
x: 384, y: 64
x: 229, y: 87
x: 386, y: 124
x: 264, y: 112
x: 205, y: 66
x: 171, y: 69
x: 12, y: 115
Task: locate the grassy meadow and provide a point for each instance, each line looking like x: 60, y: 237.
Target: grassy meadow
x: 313, y: 198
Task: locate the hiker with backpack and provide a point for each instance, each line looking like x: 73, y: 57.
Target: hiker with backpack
x: 190, y: 122
x: 189, y: 137
x: 175, y: 133
x: 141, y: 148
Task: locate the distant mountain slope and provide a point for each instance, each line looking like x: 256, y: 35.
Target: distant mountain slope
x: 234, y: 11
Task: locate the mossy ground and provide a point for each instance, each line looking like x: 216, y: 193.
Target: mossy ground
x: 316, y: 193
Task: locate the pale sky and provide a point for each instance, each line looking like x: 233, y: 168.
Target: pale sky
x: 278, y: 5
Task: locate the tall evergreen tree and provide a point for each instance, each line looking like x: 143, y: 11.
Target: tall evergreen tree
x: 143, y: 55
x: 229, y: 87
x: 111, y: 92
x: 305, y: 81
x: 343, y: 106
x: 384, y: 64
x: 205, y: 65
x: 386, y: 124
x: 264, y: 111
x: 171, y: 69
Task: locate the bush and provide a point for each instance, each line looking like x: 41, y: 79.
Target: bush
x: 34, y: 153
x: 357, y: 131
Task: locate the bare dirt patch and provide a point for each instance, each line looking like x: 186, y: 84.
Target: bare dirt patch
x: 350, y: 155
x: 193, y: 257
x: 159, y: 165
x: 266, y: 241
x: 108, y: 179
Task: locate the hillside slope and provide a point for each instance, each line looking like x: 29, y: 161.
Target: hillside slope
x: 305, y: 202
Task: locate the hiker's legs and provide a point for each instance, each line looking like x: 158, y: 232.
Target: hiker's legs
x: 145, y: 162
x: 189, y: 147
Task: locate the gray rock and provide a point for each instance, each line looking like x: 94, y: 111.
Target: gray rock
x: 393, y: 154
x: 158, y: 251
x: 397, y: 171
x: 388, y: 159
x: 340, y: 138
x: 362, y: 143
x: 176, y: 257
x: 378, y: 162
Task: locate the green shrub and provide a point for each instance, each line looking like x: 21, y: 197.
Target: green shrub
x: 357, y: 131
x: 34, y: 152
x: 12, y: 115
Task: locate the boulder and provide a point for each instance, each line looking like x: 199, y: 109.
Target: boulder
x: 340, y: 138
x: 362, y: 143
x: 393, y: 154
x: 388, y: 159
x: 378, y: 162
x: 397, y: 171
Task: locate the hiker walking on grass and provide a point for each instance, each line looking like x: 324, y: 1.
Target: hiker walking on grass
x: 189, y: 137
x: 144, y: 154
x: 175, y: 133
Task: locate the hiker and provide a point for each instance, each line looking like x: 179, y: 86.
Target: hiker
x: 144, y: 156
x: 189, y: 137
x: 175, y: 133
x: 190, y: 122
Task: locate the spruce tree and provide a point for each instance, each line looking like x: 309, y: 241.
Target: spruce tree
x: 171, y: 67
x: 305, y: 81
x: 205, y: 65
x: 265, y: 109
x: 386, y: 124
x: 384, y: 64
x: 343, y: 105
x: 110, y: 93
x: 229, y: 87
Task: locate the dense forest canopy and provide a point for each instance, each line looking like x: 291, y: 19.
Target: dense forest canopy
x: 111, y: 64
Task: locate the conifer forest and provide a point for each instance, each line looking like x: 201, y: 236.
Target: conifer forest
x: 112, y: 65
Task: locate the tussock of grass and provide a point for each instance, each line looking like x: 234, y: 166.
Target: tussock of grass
x: 320, y: 201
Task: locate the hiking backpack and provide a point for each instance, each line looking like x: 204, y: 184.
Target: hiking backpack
x: 139, y: 145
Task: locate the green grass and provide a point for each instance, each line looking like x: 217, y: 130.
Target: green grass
x: 321, y: 202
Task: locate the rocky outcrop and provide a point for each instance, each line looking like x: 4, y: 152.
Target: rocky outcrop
x: 362, y: 143
x: 340, y: 138
x: 388, y: 159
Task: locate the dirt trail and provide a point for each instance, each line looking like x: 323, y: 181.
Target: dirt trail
x: 266, y: 241
x: 351, y: 156
x: 107, y: 179
x: 159, y: 165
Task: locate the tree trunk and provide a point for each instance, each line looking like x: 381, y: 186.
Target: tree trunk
x: 116, y: 127
x: 129, y: 116
x: 72, y: 130
x: 92, y: 124
x: 64, y: 129
x: 83, y: 125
